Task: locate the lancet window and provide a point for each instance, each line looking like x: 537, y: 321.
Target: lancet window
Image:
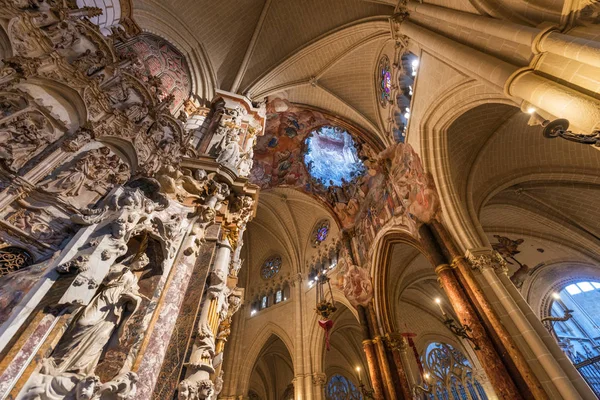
x: 450, y: 374
x: 579, y: 334
x: 341, y: 388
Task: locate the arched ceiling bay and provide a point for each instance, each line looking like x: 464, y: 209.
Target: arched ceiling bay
x: 283, y: 225
x: 318, y: 53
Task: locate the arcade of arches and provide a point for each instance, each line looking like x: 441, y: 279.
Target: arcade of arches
x: 299, y: 199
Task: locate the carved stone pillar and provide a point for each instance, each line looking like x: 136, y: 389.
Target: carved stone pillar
x: 319, y: 380
x: 508, y: 348
x: 382, y: 360
x: 198, y: 377
x: 503, y: 385
x: 397, y: 345
x: 299, y: 387
x: 491, y: 264
x: 371, y: 354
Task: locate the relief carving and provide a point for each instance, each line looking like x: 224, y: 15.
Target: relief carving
x: 88, y: 178
x: 21, y: 138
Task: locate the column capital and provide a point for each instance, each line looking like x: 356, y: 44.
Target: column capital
x: 483, y: 258
x: 319, y: 379
x: 396, y: 341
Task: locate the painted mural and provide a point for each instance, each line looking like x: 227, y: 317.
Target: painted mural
x: 393, y: 188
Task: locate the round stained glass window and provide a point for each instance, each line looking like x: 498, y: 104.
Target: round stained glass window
x: 320, y: 232
x: 271, y: 267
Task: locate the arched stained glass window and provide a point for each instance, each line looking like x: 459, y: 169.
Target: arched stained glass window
x: 331, y: 158
x: 320, y: 232
x: 579, y: 336
x: 341, y: 388
x: 384, y: 87
x: 271, y: 267
x: 451, y: 374
x: 13, y: 259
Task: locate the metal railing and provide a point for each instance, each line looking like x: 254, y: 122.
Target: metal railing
x: 590, y: 371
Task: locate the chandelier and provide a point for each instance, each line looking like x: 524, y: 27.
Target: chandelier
x: 325, y: 304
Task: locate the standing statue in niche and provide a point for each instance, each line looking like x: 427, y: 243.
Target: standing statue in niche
x: 231, y: 152
x: 70, y: 372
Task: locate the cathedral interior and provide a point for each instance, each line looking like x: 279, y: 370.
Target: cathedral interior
x: 299, y: 199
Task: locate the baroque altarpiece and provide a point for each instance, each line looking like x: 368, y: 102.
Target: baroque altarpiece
x: 127, y: 218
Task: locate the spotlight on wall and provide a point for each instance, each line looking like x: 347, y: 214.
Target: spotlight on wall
x: 531, y: 110
x: 252, y: 313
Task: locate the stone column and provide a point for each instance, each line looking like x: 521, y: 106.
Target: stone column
x: 560, y: 101
x: 319, y: 380
x: 489, y: 263
x: 543, y: 40
x: 200, y: 366
x: 397, y: 346
x: 379, y: 344
x: 371, y: 355
x: 299, y: 387
x: 464, y: 272
x: 499, y: 377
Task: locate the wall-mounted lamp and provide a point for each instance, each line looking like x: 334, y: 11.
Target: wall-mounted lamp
x: 367, y: 393
x: 457, y: 329
x: 560, y: 128
x: 567, y: 313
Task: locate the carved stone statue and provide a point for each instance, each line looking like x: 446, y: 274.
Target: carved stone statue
x: 101, y: 322
x: 245, y: 164
x: 70, y: 372
x: 231, y: 151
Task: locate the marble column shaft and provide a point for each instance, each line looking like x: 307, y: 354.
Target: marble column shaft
x: 531, y: 337
x: 384, y: 367
x: 404, y: 391
x: 492, y: 363
x: 465, y: 275
x: 371, y: 354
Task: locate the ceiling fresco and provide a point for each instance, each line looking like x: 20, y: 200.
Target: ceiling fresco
x: 393, y: 187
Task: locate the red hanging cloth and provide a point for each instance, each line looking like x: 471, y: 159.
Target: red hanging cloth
x: 326, y: 324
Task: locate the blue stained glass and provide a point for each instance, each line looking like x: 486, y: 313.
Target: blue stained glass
x: 322, y: 233
x: 331, y: 157
x: 271, y: 267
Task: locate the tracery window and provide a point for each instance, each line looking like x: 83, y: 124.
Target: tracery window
x: 13, y: 259
x: 451, y: 374
x: 406, y: 83
x: 264, y: 302
x: 279, y: 296
x: 341, y: 388
x: 331, y: 157
x: 384, y: 87
x: 579, y: 336
x: 270, y: 267
x: 320, y: 232
x: 161, y: 59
